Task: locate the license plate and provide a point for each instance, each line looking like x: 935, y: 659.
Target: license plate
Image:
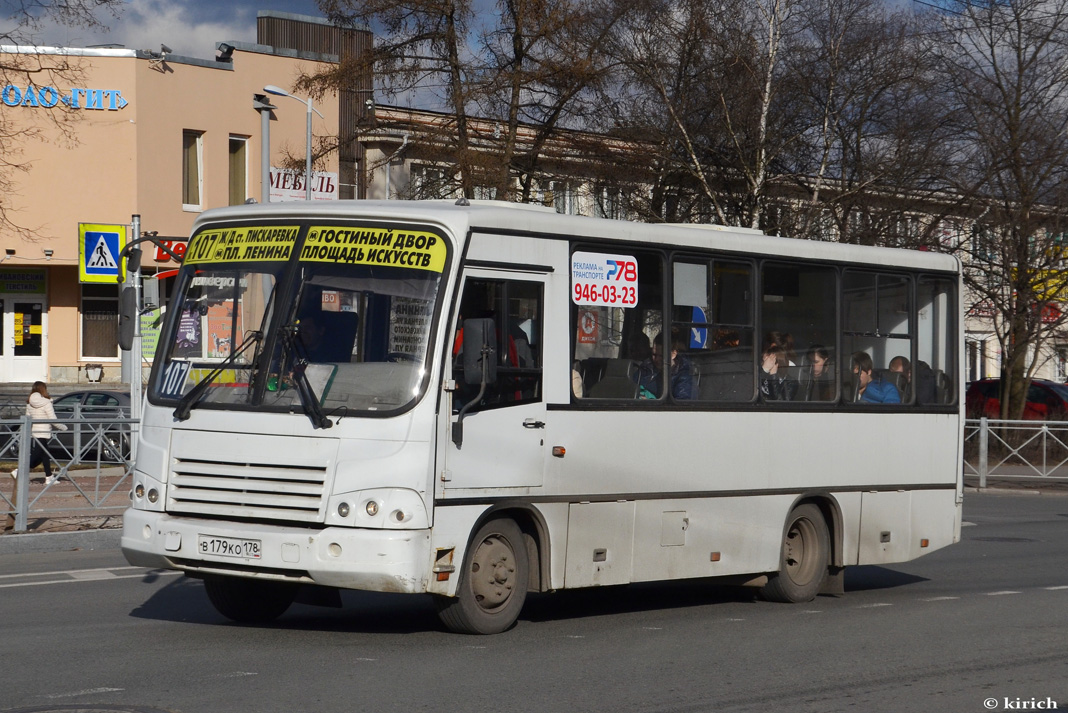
x: 229, y: 547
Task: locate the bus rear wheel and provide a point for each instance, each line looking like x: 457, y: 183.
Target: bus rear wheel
x: 804, y: 560
x: 493, y: 582
x: 249, y: 601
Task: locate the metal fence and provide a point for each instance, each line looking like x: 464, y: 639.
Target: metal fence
x: 1023, y: 450
x: 92, y: 460
x: 90, y: 456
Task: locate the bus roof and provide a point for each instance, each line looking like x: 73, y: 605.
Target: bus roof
x: 499, y: 216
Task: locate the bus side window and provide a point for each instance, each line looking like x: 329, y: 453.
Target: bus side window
x: 515, y: 306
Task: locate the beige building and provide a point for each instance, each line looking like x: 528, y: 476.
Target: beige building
x: 148, y: 133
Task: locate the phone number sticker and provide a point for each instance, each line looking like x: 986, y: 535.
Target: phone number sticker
x: 601, y: 280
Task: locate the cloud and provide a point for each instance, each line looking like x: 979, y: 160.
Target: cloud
x: 188, y: 28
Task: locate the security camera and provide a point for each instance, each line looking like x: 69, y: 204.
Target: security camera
x: 165, y: 49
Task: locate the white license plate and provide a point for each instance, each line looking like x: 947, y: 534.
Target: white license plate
x: 229, y: 547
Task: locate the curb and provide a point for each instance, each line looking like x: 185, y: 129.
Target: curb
x: 37, y: 542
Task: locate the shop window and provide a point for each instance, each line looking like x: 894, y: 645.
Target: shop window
x: 100, y: 321
x: 192, y: 156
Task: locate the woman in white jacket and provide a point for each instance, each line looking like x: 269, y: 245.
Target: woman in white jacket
x: 39, y: 408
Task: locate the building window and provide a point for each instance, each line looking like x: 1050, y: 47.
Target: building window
x: 609, y: 202
x: 430, y: 182
x: 192, y: 143
x: 238, y: 172
x: 100, y: 321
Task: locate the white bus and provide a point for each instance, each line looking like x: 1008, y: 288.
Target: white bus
x: 471, y: 402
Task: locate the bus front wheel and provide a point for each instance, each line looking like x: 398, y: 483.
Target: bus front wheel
x: 249, y: 601
x: 804, y: 559
x: 493, y: 582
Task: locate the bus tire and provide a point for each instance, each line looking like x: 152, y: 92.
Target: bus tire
x: 493, y: 582
x: 804, y: 558
x: 249, y: 601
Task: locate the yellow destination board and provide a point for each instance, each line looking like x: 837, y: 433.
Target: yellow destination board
x: 259, y: 244
x: 353, y: 245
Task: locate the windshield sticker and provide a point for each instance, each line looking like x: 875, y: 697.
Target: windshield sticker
x: 265, y: 244
x: 375, y: 246
x: 599, y: 280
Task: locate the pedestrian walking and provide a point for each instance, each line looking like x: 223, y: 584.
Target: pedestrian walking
x: 39, y: 408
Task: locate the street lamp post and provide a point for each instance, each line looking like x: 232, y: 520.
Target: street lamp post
x: 278, y: 91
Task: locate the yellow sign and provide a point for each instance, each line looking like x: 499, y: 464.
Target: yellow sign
x: 346, y: 245
x: 226, y: 377
x: 35, y: 329
x: 263, y: 244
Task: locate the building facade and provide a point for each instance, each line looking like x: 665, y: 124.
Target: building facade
x: 141, y: 133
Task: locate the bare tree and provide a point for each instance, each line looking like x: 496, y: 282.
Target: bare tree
x: 1006, y: 69
x: 874, y: 130
x: 542, y: 59
x: 31, y: 70
x: 704, y: 84
x: 424, y: 47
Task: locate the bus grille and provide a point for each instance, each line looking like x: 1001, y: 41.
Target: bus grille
x: 257, y: 491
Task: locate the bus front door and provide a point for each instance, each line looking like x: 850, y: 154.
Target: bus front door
x: 504, y: 432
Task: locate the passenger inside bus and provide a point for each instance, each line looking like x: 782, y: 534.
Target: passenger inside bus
x: 871, y: 388
x: 817, y: 380
x: 775, y: 381
x: 681, y: 372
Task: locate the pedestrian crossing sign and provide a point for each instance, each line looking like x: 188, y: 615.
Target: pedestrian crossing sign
x: 99, y: 250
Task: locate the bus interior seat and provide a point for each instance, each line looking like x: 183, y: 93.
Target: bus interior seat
x: 339, y: 329
x: 943, y: 387
x: 726, y: 375
x: 618, y: 381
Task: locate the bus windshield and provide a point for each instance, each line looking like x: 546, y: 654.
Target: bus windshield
x: 280, y: 319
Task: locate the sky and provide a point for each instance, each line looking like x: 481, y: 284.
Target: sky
x: 188, y: 27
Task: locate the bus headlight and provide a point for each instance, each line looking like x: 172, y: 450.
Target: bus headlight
x: 391, y: 508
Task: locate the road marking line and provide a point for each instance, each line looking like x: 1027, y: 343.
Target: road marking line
x: 939, y: 599
x: 876, y: 605
x: 967, y: 524
x: 71, y: 572
x: 86, y: 692
x: 79, y: 581
x: 1054, y: 589
x: 235, y: 674
x: 92, y: 574
x: 998, y: 594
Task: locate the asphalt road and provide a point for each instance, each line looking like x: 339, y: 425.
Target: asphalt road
x: 979, y: 626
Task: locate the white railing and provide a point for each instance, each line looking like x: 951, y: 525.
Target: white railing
x: 1026, y: 450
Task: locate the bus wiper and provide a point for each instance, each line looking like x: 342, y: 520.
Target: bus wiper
x: 185, y: 405
x: 299, y: 370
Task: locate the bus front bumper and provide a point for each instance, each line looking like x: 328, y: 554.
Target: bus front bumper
x: 349, y: 558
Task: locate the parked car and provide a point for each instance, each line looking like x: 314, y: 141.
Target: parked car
x: 1046, y: 400
x: 92, y: 404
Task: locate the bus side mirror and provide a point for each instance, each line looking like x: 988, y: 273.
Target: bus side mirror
x: 480, y: 339
x: 127, y: 317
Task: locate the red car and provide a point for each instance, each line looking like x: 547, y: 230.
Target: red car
x: 1046, y: 400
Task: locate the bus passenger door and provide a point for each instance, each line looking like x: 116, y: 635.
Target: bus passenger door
x: 504, y: 432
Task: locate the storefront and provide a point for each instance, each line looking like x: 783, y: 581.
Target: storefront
x: 162, y: 137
